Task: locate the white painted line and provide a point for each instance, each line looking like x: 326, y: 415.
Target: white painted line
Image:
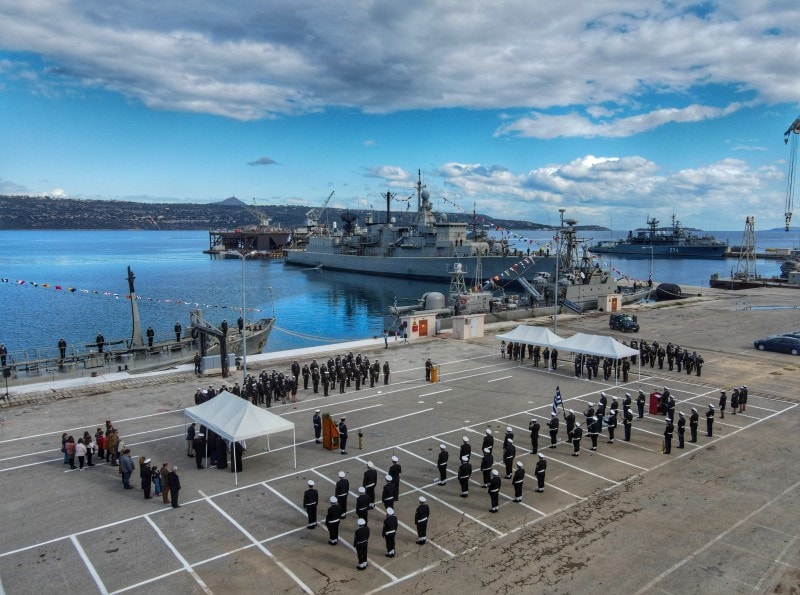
x: 184, y: 562
x: 777, y: 560
x: 255, y: 542
x: 89, y: 566
x: 711, y: 542
x: 438, y: 392
x: 498, y: 379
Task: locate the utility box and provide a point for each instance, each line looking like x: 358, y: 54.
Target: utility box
x: 469, y: 326
x: 609, y: 303
x: 330, y: 432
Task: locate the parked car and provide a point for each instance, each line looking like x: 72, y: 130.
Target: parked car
x: 623, y: 322
x: 781, y: 343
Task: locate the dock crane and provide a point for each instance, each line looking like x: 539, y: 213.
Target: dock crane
x: 791, y: 139
x: 314, y: 215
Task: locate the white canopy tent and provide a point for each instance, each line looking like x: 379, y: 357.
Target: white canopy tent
x: 599, y: 345
x: 531, y: 335
x: 236, y: 419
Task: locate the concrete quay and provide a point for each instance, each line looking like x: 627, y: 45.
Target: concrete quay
x: 719, y: 516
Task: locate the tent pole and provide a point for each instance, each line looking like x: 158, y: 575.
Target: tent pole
x: 294, y: 447
x: 235, y: 466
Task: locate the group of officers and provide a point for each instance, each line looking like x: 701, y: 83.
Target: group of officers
x: 675, y: 356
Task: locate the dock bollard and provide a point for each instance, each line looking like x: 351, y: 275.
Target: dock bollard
x: 360, y: 440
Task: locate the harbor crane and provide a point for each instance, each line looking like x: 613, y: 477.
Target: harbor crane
x: 314, y: 216
x: 790, y: 138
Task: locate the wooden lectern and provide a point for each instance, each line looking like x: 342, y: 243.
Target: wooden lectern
x: 330, y: 432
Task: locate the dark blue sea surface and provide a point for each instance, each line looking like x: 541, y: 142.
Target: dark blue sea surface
x: 173, y: 276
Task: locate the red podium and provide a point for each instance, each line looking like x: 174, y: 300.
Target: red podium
x: 655, y: 399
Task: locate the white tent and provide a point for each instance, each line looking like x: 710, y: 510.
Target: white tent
x: 531, y: 335
x: 236, y: 419
x: 599, y: 345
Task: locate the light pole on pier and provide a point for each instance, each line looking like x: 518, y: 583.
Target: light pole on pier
x: 243, y: 256
x: 558, y: 257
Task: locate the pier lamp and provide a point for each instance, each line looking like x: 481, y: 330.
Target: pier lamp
x: 243, y: 255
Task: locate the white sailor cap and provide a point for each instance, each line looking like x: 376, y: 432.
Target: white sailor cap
x: 591, y: 404
x: 613, y: 398
x: 495, y: 472
x: 361, y: 522
x: 147, y: 461
x: 693, y: 409
x: 362, y: 490
x: 541, y: 456
x: 388, y: 478
x: 465, y: 438
x: 571, y: 411
x: 680, y: 413
x: 602, y: 394
x: 341, y: 473
x: 465, y: 458
x: 317, y: 411
x: 508, y: 429
x: 333, y: 500
x: 311, y: 483
x: 389, y: 511
x: 519, y: 463
x: 395, y: 459
x: 422, y: 499
x: 489, y: 431
x: 487, y: 450
x: 369, y: 464
x: 442, y: 446
x: 627, y: 394
x: 710, y: 406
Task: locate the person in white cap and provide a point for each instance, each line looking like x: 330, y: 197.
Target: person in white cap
x: 146, y: 476
x: 681, y: 428
x: 341, y: 490
x: 494, y: 490
x: 310, y: 501
x: 464, y: 473
x: 519, y: 478
x: 509, y: 452
x: 553, y: 427
x: 369, y: 483
x: 488, y: 440
x: 569, y: 421
x: 710, y: 421
x: 466, y: 448
x: 742, y: 398
x: 591, y: 431
x: 487, y: 462
x: 343, y: 436
x: 534, y: 428
x: 387, y: 496
x: 441, y: 463
x: 723, y: 400
x: 421, y: 520
x: 693, y: 422
x: 317, y: 423
x: 541, y: 468
x: 640, y: 401
x: 627, y: 422
x: 612, y: 424
x: 575, y: 437
x: 362, y: 504
x: 389, y: 531
x: 361, y: 542
x: 395, y: 471
x: 332, y: 520
x: 509, y: 436
x: 668, y: 430
x: 734, y: 401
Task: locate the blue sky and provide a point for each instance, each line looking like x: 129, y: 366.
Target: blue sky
x: 519, y: 107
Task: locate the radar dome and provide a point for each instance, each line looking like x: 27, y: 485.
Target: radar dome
x: 425, y: 195
x: 434, y: 300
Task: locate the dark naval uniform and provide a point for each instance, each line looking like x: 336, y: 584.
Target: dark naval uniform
x: 387, y: 496
x: 362, y: 505
x: 361, y: 542
x: 533, y: 426
x: 509, y: 453
x: 441, y: 463
x: 553, y: 425
x: 541, y: 468
x: 519, y: 478
x: 494, y: 490
x: 310, y: 501
x: 464, y: 473
x: 627, y: 422
x: 681, y: 429
x: 332, y: 520
x: 577, y: 434
x: 487, y: 462
x: 668, y: 437
x: 389, y: 533
x: 317, y: 422
x: 341, y: 490
x: 369, y: 483
x: 421, y: 521
x: 710, y: 421
x: 693, y: 421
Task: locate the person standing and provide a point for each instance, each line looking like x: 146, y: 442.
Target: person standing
x: 517, y: 481
x: 668, y: 437
x: 640, y: 400
x: 421, y: 521
x: 389, y: 531
x: 150, y: 336
x: 362, y: 504
x: 369, y: 482
x: 575, y: 436
x: 386, y: 372
x: 395, y: 471
x: 723, y: 398
x: 742, y: 398
x: 553, y: 425
x: 62, y: 348
x: 361, y: 542
x: 165, y: 489
x: 693, y: 422
x: 190, y: 435
x: 441, y: 463
x: 332, y: 520
x: 612, y: 424
x: 488, y: 440
x: 734, y: 400
x: 178, y: 330
x: 80, y: 453
x: 487, y: 462
x: 174, y: 482
x: 681, y: 428
x: 3, y: 354
x: 509, y: 452
x: 428, y: 368
x: 341, y: 490
x: 541, y: 469
x: 627, y: 422
x: 310, y: 501
x: 569, y: 421
x: 494, y: 490
x: 534, y: 427
x: 385, y: 339
x: 343, y: 436
x: 317, y: 423
x: 464, y: 473
x: 199, y: 446
x: 146, y: 477
x: 591, y: 431
x: 387, y: 495
x: 466, y: 448
x: 126, y: 467
x: 710, y: 421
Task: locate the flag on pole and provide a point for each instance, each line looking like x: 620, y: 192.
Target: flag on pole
x: 557, y: 401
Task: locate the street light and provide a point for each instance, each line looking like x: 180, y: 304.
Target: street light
x: 243, y: 255
x: 558, y: 264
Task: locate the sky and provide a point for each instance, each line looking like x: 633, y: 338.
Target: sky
x: 615, y: 111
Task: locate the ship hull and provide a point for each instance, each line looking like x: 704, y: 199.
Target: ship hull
x: 672, y: 251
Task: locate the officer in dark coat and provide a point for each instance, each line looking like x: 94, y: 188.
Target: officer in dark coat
x: 494, y: 490
x: 517, y: 481
x: 310, y: 501
x: 343, y: 436
x: 541, y: 468
x: 681, y: 428
x: 332, y: 520
x: 387, y: 496
x: 640, y: 400
x: 627, y: 422
x: 341, y: 491
x: 668, y: 437
x: 395, y: 471
x: 317, y: 423
x: 441, y: 463
x: 466, y: 448
x: 569, y: 421
x: 421, y: 520
x: 534, y: 427
x: 389, y: 531
x: 178, y: 330
x: 693, y: 421
x: 487, y: 462
x: 362, y: 504
x: 575, y: 437
x: 488, y: 440
x: 553, y: 425
x: 428, y: 368
x: 742, y: 398
x: 464, y: 473
x: 315, y: 379
x: 509, y: 452
x: 221, y: 448
x: 710, y: 421
x: 306, y: 372
x: 591, y: 431
x: 386, y: 372
x: 612, y: 425
x: 723, y: 399
x: 199, y: 447
x: 369, y: 483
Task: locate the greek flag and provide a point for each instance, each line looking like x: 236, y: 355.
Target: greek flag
x: 557, y: 401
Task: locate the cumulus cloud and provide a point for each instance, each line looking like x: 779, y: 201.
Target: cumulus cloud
x: 263, y: 161
x: 247, y: 62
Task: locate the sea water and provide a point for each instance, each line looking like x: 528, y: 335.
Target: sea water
x: 174, y: 276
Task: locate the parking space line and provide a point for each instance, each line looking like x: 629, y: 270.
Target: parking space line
x: 255, y: 542
x: 438, y: 392
x: 498, y: 379
x: 777, y: 560
x: 183, y: 561
x: 89, y: 566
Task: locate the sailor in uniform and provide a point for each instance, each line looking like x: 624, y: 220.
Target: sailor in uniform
x: 487, y: 462
x: 627, y: 422
x: 387, y: 496
x: 362, y: 504
x: 389, y: 531
x: 534, y: 427
x: 332, y: 520
x: 681, y: 428
x: 361, y: 542
x: 488, y: 440
x: 466, y: 448
x: 310, y: 501
x: 553, y: 425
x: 341, y: 490
x: 343, y: 436
x: 464, y: 473
x: 394, y: 471
x: 509, y: 452
x: 693, y: 421
x: 441, y: 463
x: 668, y: 437
x: 317, y: 422
x: 494, y: 490
x: 519, y: 478
x: 541, y: 468
x: 575, y: 436
x: 710, y: 421
x: 421, y: 521
x: 369, y: 483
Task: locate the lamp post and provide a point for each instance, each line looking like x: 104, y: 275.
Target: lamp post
x: 243, y: 256
x: 558, y: 264
x: 650, y: 279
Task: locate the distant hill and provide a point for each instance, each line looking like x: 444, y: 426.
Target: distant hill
x: 35, y: 212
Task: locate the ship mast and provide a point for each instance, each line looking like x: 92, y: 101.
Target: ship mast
x: 136, y: 336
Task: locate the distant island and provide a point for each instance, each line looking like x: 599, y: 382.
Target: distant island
x: 36, y: 212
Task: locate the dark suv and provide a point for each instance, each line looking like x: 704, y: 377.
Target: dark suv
x: 624, y: 323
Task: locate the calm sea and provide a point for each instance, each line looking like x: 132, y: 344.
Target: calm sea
x: 173, y: 276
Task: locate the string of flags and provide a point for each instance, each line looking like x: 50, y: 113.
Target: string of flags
x: 117, y: 296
